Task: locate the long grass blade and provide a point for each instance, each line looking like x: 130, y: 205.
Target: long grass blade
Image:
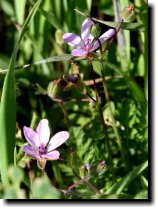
x: 8, y: 107
x: 118, y: 187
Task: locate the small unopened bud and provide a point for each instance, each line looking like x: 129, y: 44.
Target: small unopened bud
x: 128, y: 13
x: 95, y: 30
x: 88, y: 166
x: 59, y: 36
x: 53, y: 89
x: 74, y: 68
x: 82, y: 171
x: 41, y: 163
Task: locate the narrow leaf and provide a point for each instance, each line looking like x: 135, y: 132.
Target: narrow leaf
x: 8, y: 120
x: 127, y: 25
x: 8, y: 107
x: 118, y: 187
x: 65, y: 57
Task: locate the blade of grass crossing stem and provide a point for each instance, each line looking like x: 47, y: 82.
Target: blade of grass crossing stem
x: 118, y: 187
x: 8, y: 108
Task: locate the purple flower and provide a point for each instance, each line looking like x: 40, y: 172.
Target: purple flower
x: 84, y: 44
x: 40, y: 147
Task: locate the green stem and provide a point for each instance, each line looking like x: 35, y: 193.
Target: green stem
x: 107, y: 140
x: 81, y: 181
x: 92, y: 187
x: 98, y: 105
x: 111, y: 113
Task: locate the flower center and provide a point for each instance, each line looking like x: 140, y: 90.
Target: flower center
x: 42, y: 149
x: 88, y: 46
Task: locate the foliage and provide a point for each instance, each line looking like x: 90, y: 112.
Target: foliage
x: 35, y: 84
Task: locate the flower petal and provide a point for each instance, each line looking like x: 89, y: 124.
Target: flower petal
x: 108, y: 34
x: 31, y: 136
x: 54, y: 155
x: 72, y: 39
x: 86, y: 29
x: 43, y: 131
x: 30, y: 151
x: 57, y: 140
x: 79, y: 52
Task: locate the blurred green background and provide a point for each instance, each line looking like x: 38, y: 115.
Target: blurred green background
x: 87, y: 143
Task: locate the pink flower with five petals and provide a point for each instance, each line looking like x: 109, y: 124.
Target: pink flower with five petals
x: 40, y: 147
x: 84, y: 44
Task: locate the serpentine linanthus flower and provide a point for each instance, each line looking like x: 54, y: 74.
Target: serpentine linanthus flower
x: 86, y: 43
x: 40, y: 147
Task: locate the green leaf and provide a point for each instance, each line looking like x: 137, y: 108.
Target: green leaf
x: 50, y: 18
x: 42, y: 189
x: 8, y: 120
x: 20, y: 10
x: 127, y: 25
x: 134, y: 87
x: 136, y: 90
x: 12, y: 192
x: 8, y: 107
x: 64, y: 57
x: 118, y: 187
x: 140, y: 27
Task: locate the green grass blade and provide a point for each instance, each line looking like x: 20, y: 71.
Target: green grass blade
x: 65, y: 57
x: 118, y: 187
x: 20, y: 10
x: 8, y: 121
x: 50, y: 17
x: 29, y: 18
x: 133, y: 86
x: 8, y: 107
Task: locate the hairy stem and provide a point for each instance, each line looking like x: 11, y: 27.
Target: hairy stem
x: 98, y: 105
x: 111, y: 113
x: 92, y: 187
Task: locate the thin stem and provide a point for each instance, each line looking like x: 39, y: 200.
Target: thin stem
x: 92, y: 187
x: 64, y: 111
x: 95, y: 87
x: 30, y: 174
x: 111, y: 113
x: 42, y: 172
x: 98, y: 105
x: 107, y: 140
x: 84, y: 180
x: 91, y: 97
x: 112, y: 39
x: 109, y: 104
x: 99, y: 80
x: 59, y: 100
